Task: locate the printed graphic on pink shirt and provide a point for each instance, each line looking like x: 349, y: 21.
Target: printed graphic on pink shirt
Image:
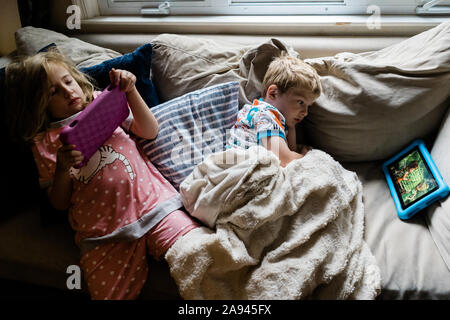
x: 104, y: 156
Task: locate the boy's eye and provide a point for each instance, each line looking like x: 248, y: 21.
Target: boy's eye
x: 300, y: 102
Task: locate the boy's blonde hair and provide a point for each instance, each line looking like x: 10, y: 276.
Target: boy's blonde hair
x: 288, y: 72
x: 28, y: 92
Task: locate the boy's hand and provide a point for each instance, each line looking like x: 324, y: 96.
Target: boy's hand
x: 127, y: 79
x: 304, y: 149
x: 67, y: 157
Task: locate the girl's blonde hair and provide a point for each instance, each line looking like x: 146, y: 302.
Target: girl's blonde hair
x: 28, y: 92
x: 288, y: 72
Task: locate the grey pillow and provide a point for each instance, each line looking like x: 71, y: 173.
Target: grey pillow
x: 376, y: 103
x: 438, y: 214
x: 190, y: 128
x: 29, y: 40
x: 181, y: 64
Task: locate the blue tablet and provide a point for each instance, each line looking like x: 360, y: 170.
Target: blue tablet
x: 414, y: 180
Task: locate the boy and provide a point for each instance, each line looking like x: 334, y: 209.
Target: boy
x: 289, y: 88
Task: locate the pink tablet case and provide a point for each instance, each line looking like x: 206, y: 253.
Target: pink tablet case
x: 96, y: 123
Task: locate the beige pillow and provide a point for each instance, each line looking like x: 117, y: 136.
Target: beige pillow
x: 29, y: 40
x: 438, y: 214
x: 181, y: 64
x: 376, y: 103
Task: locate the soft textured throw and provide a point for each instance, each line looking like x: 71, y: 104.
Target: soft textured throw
x: 277, y: 233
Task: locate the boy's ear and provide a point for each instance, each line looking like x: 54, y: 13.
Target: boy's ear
x: 272, y: 91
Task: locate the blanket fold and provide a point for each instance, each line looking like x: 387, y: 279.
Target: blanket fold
x: 276, y: 233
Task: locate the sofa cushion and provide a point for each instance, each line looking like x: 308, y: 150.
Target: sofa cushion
x: 410, y: 263
x: 438, y: 214
x: 375, y: 103
x: 183, y: 64
x: 29, y: 40
x: 191, y: 127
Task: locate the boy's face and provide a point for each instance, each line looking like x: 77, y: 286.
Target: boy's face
x: 66, y: 96
x: 293, y: 104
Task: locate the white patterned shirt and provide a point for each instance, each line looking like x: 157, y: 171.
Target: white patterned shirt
x: 255, y: 122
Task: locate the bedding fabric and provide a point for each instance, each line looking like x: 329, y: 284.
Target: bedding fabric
x: 280, y: 233
x: 438, y: 214
x: 375, y: 103
x: 191, y: 127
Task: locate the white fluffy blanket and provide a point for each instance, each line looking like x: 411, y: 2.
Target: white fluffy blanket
x: 280, y: 233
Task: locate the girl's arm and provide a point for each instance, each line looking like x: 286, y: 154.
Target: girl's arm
x: 60, y: 192
x: 144, y: 123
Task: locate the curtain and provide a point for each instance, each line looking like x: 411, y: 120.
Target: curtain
x: 34, y: 13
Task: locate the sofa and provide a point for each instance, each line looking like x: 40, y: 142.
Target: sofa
x: 374, y: 104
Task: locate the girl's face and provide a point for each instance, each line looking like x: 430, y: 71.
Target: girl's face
x: 66, y: 96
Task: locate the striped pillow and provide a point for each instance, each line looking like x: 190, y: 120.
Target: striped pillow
x: 190, y: 128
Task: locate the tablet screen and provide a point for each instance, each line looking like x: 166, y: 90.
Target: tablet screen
x: 412, y: 178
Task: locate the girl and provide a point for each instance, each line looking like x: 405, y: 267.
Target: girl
x: 120, y: 206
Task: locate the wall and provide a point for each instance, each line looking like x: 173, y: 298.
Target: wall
x: 9, y: 16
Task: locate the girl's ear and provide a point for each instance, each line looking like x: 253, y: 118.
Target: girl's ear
x: 272, y: 91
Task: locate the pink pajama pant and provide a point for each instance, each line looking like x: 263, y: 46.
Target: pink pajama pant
x: 117, y: 271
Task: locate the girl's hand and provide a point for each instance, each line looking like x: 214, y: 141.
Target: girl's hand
x: 67, y: 157
x: 127, y: 79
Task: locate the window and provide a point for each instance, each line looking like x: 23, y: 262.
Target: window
x: 271, y: 7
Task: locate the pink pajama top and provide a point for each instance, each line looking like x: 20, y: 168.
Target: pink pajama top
x: 117, y: 195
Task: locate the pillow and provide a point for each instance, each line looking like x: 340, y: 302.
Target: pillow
x: 191, y: 127
x: 182, y: 64
x: 29, y: 40
x: 438, y: 214
x: 91, y: 59
x: 375, y: 103
x: 138, y: 62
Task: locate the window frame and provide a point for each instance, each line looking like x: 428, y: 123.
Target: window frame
x: 240, y: 7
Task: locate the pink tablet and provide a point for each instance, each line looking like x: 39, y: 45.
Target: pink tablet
x: 96, y: 123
